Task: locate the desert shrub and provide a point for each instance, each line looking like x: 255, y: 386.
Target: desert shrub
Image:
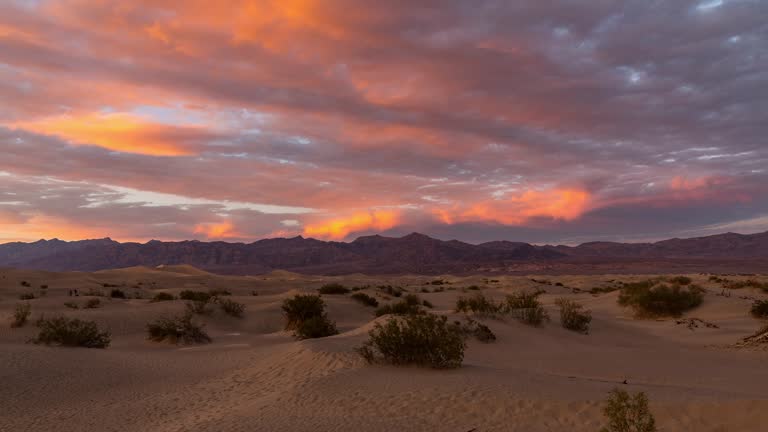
x: 479, y: 305
x: 410, y: 305
x: 21, y: 314
x: 199, y: 307
x: 316, y: 327
x: 438, y: 282
x: 232, y: 308
x: 200, y: 296
x: 681, y: 280
x: 219, y: 292
x: 428, y: 304
x: 652, y: 299
x: 424, y: 340
x: 473, y: 288
x: 305, y: 315
x: 333, y: 288
x: 760, y: 309
x: 603, y: 289
x: 627, y: 413
x: 71, y: 332
x: 116, y: 293
x: 177, y: 329
x: 573, y: 316
x: 163, y: 296
x: 109, y: 285
x: 43, y: 286
x: 365, y: 299
x: 301, y: 308
x: 27, y: 296
x: 525, y: 306
x: 26, y: 284
x: 71, y: 305
x: 393, y: 291
x: 92, y: 304
x: 477, y: 330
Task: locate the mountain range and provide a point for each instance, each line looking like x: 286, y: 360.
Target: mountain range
x: 414, y: 253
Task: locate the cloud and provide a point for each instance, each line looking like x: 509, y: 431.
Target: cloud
x: 341, y: 228
x: 505, y: 118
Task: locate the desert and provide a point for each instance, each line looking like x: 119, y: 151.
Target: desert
x: 255, y: 375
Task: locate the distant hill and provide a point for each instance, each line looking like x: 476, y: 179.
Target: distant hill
x: 414, y: 253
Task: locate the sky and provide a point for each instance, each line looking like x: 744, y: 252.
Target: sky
x: 550, y: 122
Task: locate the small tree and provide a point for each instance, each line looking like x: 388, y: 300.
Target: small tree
x: 627, y: 413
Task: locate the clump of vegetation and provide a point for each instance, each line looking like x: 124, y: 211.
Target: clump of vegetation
x: 219, y: 292
x: 473, y: 288
x: 26, y: 284
x: 423, y: 340
x: 410, y: 305
x: 526, y: 307
x: 93, y: 293
x: 21, y: 314
x: 92, y: 304
x: 27, y: 296
x: 479, y: 305
x: 479, y: 331
x: 232, y: 308
x: 198, y: 296
x: 163, y: 296
x: 393, y: 291
x: 651, y: 298
x: 177, y: 329
x: 117, y: 293
x: 71, y: 332
x: 760, y: 309
x: 199, y: 307
x: 333, y: 288
x: 627, y: 413
x: 71, y: 305
x: 427, y: 304
x: 602, y: 290
x: 573, y: 316
x: 43, y: 286
x: 305, y: 315
x: 681, y: 280
x: 365, y: 299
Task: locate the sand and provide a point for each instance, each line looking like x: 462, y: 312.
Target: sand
x: 257, y: 377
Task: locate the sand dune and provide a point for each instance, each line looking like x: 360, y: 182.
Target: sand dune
x: 256, y: 377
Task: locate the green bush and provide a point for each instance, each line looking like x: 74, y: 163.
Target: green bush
x: 316, y: 327
x: 177, y: 329
x: 365, y: 299
x: 163, y: 296
x: 200, y: 296
x: 650, y: 298
x: 627, y: 413
x: 424, y: 340
x: 525, y: 306
x: 116, y: 293
x: 410, y: 305
x: 27, y: 296
x: 21, y: 315
x: 760, y: 309
x: 573, y: 316
x: 333, y: 288
x: 232, y: 308
x: 305, y: 315
x: 71, y: 332
x: 681, y: 280
x: 92, y: 304
x: 479, y: 305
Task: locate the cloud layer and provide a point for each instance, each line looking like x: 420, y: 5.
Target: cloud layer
x: 537, y: 121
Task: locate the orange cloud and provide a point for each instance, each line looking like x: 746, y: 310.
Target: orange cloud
x: 340, y: 228
x: 119, y: 131
x: 561, y: 204
x: 681, y: 183
x: 220, y: 230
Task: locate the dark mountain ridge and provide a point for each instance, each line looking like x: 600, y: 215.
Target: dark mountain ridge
x: 413, y: 253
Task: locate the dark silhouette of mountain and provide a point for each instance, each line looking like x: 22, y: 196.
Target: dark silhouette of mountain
x: 414, y: 253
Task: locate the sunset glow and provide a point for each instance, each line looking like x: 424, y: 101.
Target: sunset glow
x: 336, y: 119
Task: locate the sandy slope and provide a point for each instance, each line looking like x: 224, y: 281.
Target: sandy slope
x: 255, y: 377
